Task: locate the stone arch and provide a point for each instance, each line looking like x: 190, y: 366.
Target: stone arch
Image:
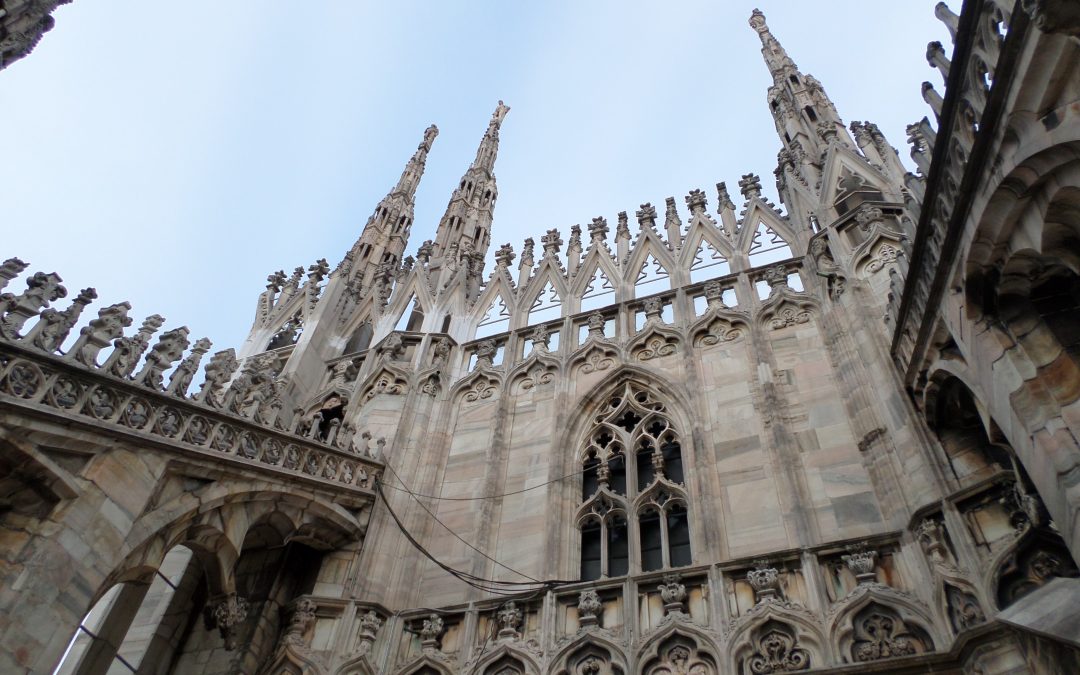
x: 425, y: 664
x: 873, y: 614
x: 290, y: 661
x: 590, y: 654
x: 786, y: 307
x: 777, y: 635
x: 506, y: 659
x: 186, y: 520
x: 959, y: 420
x: 1032, y: 560
x: 359, y: 665
x: 676, y: 650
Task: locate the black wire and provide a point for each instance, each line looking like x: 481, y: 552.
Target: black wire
x: 458, y: 537
x: 503, y: 588
x: 489, y: 586
x: 478, y: 499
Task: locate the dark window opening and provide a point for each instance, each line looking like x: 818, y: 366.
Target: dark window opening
x: 445, y: 324
x: 652, y: 550
x: 360, y: 340
x: 617, y: 469
x: 678, y: 536
x: 794, y: 79
x: 673, y: 468
x: 646, y: 473
x: 618, y: 548
x: 811, y: 114
x: 591, y: 548
x: 590, y: 482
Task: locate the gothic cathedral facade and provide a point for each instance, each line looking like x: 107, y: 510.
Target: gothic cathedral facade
x: 842, y: 436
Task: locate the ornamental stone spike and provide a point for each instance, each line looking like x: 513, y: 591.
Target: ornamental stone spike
x: 168, y: 350
x: 9, y: 269
x: 672, y: 224
x: 129, y: 350
x: 99, y: 333
x: 54, y: 326
x: 185, y: 372
x: 220, y: 369
x: 750, y: 186
x: 41, y: 289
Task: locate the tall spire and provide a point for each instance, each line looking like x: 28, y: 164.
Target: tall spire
x: 806, y: 120
x: 778, y: 61
x: 465, y: 228
x: 489, y: 145
x: 386, y: 233
x: 410, y: 177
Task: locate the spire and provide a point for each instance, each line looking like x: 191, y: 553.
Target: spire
x: 778, y: 61
x: 414, y: 170
x: 806, y: 120
x: 466, y: 225
x: 386, y: 232
x: 489, y: 145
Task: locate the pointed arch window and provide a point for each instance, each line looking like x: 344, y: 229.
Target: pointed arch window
x: 767, y: 246
x: 634, y: 505
x: 708, y: 263
x: 495, y: 320
x: 652, y: 277
x: 547, y: 305
x: 412, y: 318
x: 598, y: 293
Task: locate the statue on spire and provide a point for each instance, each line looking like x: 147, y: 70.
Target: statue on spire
x: 429, y: 137
x: 498, y: 115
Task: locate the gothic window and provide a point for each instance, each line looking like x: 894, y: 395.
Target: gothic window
x: 767, y: 246
x: 810, y: 114
x: 495, y: 320
x: 708, y: 263
x: 360, y: 340
x: 852, y: 191
x: 288, y: 334
x: 634, y: 504
x: 412, y: 318
x: 599, y: 292
x: 547, y: 306
x: 651, y: 278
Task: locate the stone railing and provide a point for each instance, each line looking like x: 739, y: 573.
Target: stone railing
x: 234, y: 415
x: 951, y: 159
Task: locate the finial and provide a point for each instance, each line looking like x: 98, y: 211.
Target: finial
x: 757, y: 21
x: 499, y: 114
x: 429, y: 137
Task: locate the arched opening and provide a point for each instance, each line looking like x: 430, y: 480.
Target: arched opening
x: 360, y: 339
x: 633, y: 418
x: 237, y: 635
x: 963, y: 436
x: 136, y: 625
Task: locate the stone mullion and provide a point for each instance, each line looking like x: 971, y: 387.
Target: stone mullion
x: 787, y: 466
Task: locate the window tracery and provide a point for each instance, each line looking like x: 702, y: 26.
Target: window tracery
x: 633, y: 501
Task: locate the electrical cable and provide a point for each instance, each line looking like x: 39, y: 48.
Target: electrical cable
x: 458, y: 537
x: 503, y: 588
x: 470, y: 579
x: 479, y: 499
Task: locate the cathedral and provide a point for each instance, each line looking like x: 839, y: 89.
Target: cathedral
x: 717, y: 436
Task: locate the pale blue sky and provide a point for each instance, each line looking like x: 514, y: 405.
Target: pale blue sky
x: 174, y: 155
